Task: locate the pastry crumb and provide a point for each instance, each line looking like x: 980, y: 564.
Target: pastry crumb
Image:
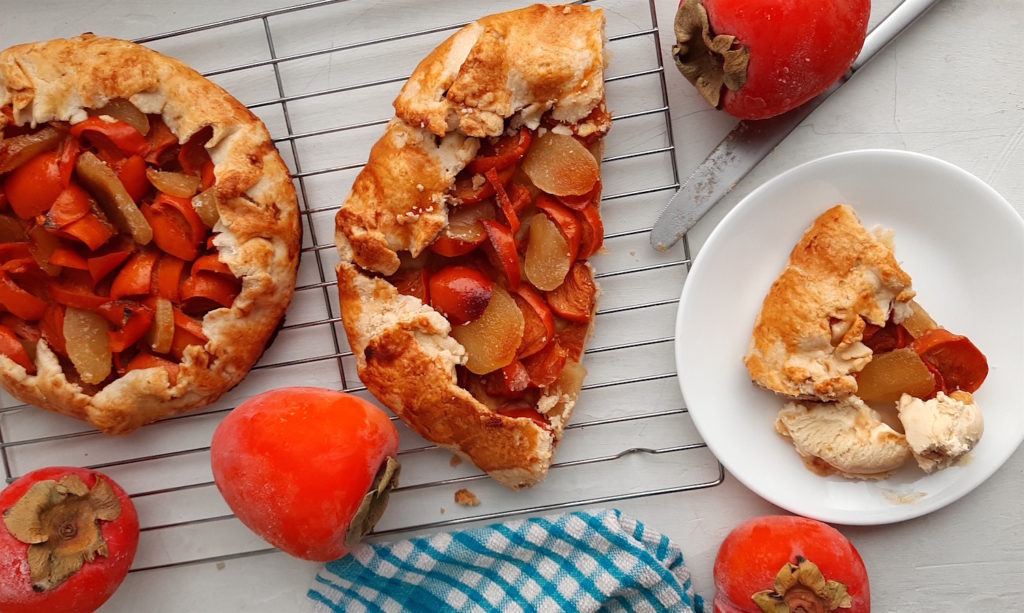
x: 466, y: 498
x: 455, y: 461
x: 442, y: 510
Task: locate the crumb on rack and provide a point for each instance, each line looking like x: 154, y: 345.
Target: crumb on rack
x: 455, y: 461
x: 466, y: 498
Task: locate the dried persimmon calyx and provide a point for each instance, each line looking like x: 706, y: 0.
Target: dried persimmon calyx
x: 802, y: 587
x: 60, y: 521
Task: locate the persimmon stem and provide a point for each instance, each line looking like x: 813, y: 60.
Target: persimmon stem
x: 374, y: 502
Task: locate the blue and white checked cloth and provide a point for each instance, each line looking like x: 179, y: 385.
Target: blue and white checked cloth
x: 586, y: 561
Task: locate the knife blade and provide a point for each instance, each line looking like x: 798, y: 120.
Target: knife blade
x: 751, y: 141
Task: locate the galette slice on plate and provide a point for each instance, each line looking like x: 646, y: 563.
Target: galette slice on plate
x: 840, y: 328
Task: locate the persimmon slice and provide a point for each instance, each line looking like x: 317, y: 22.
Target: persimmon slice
x: 74, y: 293
x: 102, y: 265
x: 573, y: 336
x: 18, y: 301
x: 68, y: 258
x: 578, y: 203
x: 525, y: 412
x: 548, y: 256
x: 881, y: 339
x: 961, y: 364
x: 24, y: 330
x: 42, y: 246
x: 193, y: 155
x: 412, y: 282
x: 88, y: 344
x: 92, y: 230
x: 136, y: 277
x: 509, y: 381
x: 144, y: 359
x: 131, y: 321
x: 51, y: 328
x: 504, y: 202
x: 471, y: 188
x: 460, y: 293
x: 464, y: 232
x: 566, y: 221
x: 501, y: 152
x: 183, y: 339
x: 173, y: 183
x: 502, y: 252
x: 17, y: 150
x: 33, y: 186
x: 20, y: 250
x: 539, y: 322
x: 69, y: 152
x: 591, y: 231
x: 545, y: 366
x: 132, y: 175
x: 492, y: 339
x: 161, y: 334
x: 117, y: 203
x: 160, y: 140
x: 123, y: 110
x: 574, y: 298
x: 889, y: 375
x: 560, y: 165
x: 177, y: 228
x: 204, y: 291
x: 123, y: 135
x: 10, y: 346
x: 167, y: 277
x: 72, y: 204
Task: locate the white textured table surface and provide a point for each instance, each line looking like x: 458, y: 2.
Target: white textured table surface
x: 952, y: 87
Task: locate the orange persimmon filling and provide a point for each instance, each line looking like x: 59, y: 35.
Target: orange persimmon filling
x: 509, y: 271
x: 106, y: 243
x: 919, y: 358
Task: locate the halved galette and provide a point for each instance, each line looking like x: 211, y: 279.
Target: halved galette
x: 149, y: 233
x: 840, y: 328
x: 465, y: 287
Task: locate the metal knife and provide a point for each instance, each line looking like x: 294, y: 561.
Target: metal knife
x: 750, y: 141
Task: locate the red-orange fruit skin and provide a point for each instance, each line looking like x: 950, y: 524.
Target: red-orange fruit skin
x: 295, y: 463
x: 753, y: 553
x: 90, y: 587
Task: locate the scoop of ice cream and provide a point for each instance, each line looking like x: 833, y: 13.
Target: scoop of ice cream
x: 848, y: 435
x: 940, y: 430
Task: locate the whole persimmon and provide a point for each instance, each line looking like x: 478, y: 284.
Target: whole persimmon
x: 307, y: 469
x: 759, y: 58
x: 783, y: 562
x: 68, y: 538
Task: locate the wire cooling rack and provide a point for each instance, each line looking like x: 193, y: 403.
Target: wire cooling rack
x: 323, y: 79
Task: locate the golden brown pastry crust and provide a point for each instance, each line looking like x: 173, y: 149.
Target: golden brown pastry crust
x: 806, y: 339
x: 503, y: 70
x: 523, y: 62
x: 259, y: 233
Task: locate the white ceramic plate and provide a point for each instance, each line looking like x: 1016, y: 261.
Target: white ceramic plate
x: 963, y: 246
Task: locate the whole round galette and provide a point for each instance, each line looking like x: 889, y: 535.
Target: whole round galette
x: 149, y: 233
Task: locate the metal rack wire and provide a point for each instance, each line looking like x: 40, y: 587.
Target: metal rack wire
x: 631, y: 426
